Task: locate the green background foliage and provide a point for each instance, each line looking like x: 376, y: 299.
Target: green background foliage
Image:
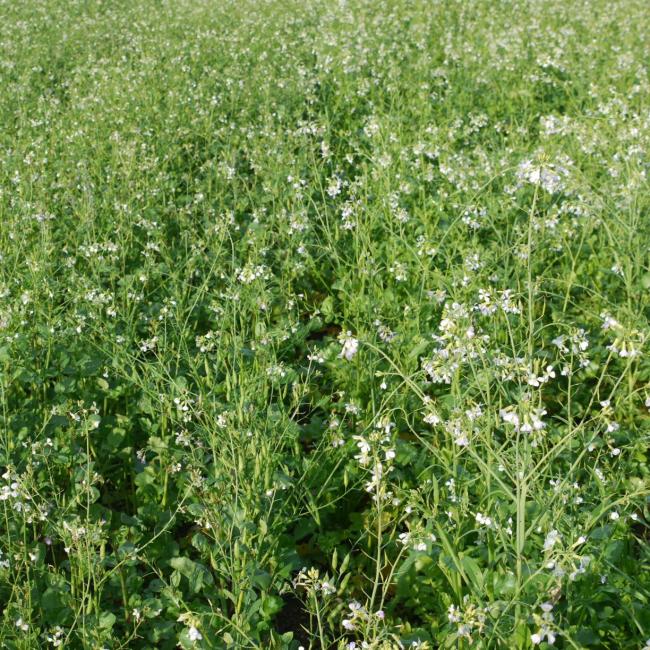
x: 280, y: 287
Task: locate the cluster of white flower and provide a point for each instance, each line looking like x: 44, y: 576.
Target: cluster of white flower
x: 550, y: 176
x: 399, y: 213
x: 572, y: 347
x: 100, y: 251
x: 192, y: 623
x: 461, y: 426
x: 22, y: 625
x: 474, y: 217
x: 15, y: 492
x: 399, y: 271
x: 470, y: 619
x: 56, y: 637
x: 350, y: 346
x: 349, y: 214
x: 484, y: 520
x: 508, y: 368
x: 489, y: 303
x: 310, y: 579
x: 277, y: 371
x: 298, y: 223
x: 568, y: 493
x: 98, y: 297
x: 384, y: 332
x: 458, y: 430
x: 358, y: 616
x: 418, y: 540
x: 546, y: 626
x: 334, y: 187
x: 377, y: 453
x: 148, y: 345
x: 457, y: 343
x: 536, y: 380
x: 554, y: 124
x: 525, y: 419
x: 206, y: 342
x: 251, y: 272
x: 186, y: 407
x: 628, y: 342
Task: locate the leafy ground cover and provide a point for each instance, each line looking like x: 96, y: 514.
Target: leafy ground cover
x: 324, y: 324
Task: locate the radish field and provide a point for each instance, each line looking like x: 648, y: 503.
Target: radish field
x: 324, y: 324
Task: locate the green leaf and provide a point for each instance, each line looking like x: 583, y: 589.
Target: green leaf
x: 262, y: 579
x: 52, y: 599
x: 271, y: 605
x: 197, y: 574
x: 645, y: 281
x: 473, y: 572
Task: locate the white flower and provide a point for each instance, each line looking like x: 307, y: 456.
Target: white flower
x: 483, y: 520
x: 21, y: 625
x: 453, y: 614
x: 548, y: 176
x: 194, y: 634
x: 432, y: 418
x: 551, y: 540
x: 350, y: 347
x: 327, y: 588
x: 609, y: 322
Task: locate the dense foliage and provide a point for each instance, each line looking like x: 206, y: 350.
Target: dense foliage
x: 324, y: 324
